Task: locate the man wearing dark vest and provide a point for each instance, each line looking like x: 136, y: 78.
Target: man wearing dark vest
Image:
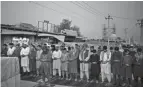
x: 84, y: 63
x: 116, y: 66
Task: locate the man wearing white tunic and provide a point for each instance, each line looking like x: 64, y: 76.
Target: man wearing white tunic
x: 57, y: 61
x: 105, y: 57
x: 84, y: 63
x: 11, y: 50
x: 24, y: 58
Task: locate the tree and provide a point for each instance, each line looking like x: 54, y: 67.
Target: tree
x: 65, y: 24
x: 77, y: 29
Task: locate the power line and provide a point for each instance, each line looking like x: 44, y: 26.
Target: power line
x: 108, y: 13
x: 83, y: 8
x: 93, y: 8
x: 50, y: 8
x: 88, y: 8
x: 65, y: 8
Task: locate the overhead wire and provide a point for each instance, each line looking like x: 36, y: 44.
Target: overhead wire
x: 51, y: 8
x: 70, y: 10
x: 84, y: 8
x: 66, y: 8
x: 95, y: 10
x: 108, y: 13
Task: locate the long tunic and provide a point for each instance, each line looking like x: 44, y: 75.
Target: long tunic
x: 138, y: 65
x: 95, y: 64
x: 127, y: 62
x: 45, y: 67
x: 84, y: 60
x: 70, y: 65
x: 38, y: 55
x: 56, y: 56
x: 74, y: 60
x: 10, y: 51
x: 32, y: 60
x: 25, y: 58
x: 64, y: 62
x: 116, y: 62
x: 105, y: 66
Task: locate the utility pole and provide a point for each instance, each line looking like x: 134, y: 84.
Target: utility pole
x: 140, y: 23
x: 108, y: 18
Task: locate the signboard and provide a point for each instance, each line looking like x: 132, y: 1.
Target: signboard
x: 69, y: 32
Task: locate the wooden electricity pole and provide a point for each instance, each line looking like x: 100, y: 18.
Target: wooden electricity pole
x: 108, y: 18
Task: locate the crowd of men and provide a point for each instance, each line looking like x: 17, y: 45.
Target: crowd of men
x: 120, y: 65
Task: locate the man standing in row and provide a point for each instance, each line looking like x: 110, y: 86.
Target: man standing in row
x: 10, y: 50
x: 57, y: 61
x: 138, y: 67
x: 25, y: 58
x: 105, y: 57
x: 95, y: 66
x: 84, y: 63
x: 116, y: 65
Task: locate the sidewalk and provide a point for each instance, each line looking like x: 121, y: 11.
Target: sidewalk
x: 27, y: 83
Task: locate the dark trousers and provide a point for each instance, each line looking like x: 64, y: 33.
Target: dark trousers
x: 127, y: 80
x: 116, y: 79
x: 94, y: 77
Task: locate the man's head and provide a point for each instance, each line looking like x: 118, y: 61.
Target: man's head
x: 116, y: 48
x: 91, y: 48
x: 64, y: 50
x: 104, y: 48
x: 11, y: 45
x: 57, y: 48
x: 4, y: 45
x: 17, y: 45
x: 45, y: 49
x: 69, y: 48
x: 94, y: 51
x: 24, y: 45
x: 111, y: 48
x: 85, y: 46
x: 99, y: 48
x: 76, y: 46
x: 39, y: 47
x: 139, y: 50
x: 62, y: 47
x: 126, y: 51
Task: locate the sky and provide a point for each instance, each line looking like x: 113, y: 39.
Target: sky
x: 91, y: 25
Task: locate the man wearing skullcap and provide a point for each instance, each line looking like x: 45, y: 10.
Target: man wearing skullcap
x: 95, y: 66
x: 127, y: 62
x: 105, y: 58
x: 56, y: 56
x: 84, y: 63
x: 25, y: 59
x: 116, y: 65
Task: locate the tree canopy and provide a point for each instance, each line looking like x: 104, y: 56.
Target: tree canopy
x: 66, y: 24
